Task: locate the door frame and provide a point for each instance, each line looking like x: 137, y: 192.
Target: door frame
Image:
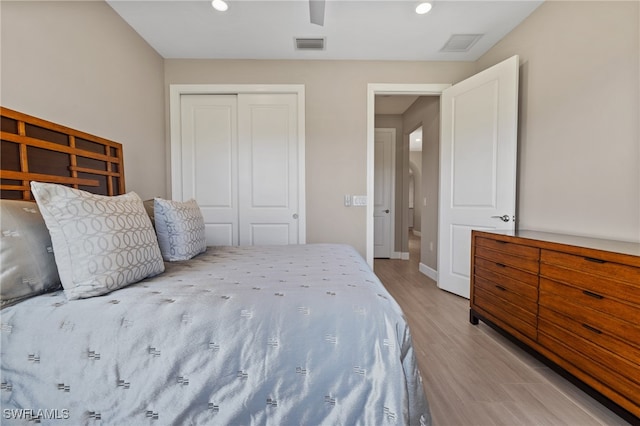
x: 175, y: 159
x: 374, y: 89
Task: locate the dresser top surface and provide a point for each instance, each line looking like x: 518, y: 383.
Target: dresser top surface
x: 623, y: 247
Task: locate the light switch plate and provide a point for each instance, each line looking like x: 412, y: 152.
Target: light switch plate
x: 359, y: 200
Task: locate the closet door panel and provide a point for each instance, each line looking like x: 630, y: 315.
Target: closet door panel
x: 210, y: 162
x: 268, y: 169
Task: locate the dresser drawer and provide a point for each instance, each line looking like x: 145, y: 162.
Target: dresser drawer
x: 511, y: 248
x: 526, y: 286
x: 499, y: 272
x: 606, y: 367
x: 596, y: 284
x: 504, y: 311
x: 628, y: 331
x: 594, y: 333
x: 506, y: 259
x: 505, y: 292
x: 593, y: 266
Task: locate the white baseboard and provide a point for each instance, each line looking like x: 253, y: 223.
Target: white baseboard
x: 429, y: 272
x: 400, y: 255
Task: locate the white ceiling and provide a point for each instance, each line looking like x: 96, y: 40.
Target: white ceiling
x: 354, y: 29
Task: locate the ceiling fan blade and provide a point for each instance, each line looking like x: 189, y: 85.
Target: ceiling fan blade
x: 316, y: 11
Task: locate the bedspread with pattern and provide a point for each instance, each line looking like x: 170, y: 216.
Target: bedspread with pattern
x: 284, y: 335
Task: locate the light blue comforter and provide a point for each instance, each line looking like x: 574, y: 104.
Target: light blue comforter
x: 288, y: 335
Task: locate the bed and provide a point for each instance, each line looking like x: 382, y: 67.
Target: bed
x: 279, y: 335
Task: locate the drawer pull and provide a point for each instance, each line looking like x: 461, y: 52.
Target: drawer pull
x: 499, y: 287
x: 502, y: 265
x: 591, y: 294
x: 595, y: 330
x: 594, y: 260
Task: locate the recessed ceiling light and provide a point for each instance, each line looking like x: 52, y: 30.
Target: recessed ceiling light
x: 423, y: 8
x: 220, y: 5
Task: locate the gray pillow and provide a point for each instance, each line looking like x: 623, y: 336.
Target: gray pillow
x: 180, y: 229
x: 27, y: 265
x: 148, y: 206
x: 100, y: 243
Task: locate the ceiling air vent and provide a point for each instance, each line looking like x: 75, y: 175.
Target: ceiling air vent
x: 460, y: 42
x: 307, y: 43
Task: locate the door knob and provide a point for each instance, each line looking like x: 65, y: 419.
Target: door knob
x: 386, y: 211
x: 504, y: 217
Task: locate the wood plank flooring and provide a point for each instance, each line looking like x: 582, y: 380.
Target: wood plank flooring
x: 472, y: 374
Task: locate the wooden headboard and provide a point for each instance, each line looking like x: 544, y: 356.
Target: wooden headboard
x: 36, y: 149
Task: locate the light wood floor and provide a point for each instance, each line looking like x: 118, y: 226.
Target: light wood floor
x: 472, y: 374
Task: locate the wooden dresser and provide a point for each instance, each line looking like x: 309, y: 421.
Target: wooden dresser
x: 573, y: 300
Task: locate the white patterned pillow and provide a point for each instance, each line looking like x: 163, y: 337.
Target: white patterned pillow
x: 180, y: 229
x: 100, y: 243
x: 28, y: 267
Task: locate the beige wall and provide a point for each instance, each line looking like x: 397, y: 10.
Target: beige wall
x: 79, y: 64
x: 579, y: 117
x: 336, y: 124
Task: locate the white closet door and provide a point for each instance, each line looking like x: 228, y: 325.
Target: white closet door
x: 268, y: 169
x: 209, y: 152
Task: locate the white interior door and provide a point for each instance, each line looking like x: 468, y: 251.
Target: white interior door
x: 209, y: 155
x: 383, y: 190
x: 268, y: 169
x: 477, y: 166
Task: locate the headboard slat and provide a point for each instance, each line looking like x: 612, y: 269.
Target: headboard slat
x: 15, y: 188
x: 40, y: 150
x: 26, y: 176
x: 92, y: 171
x: 51, y: 146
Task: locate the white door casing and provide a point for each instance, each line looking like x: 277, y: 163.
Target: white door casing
x: 268, y: 169
x: 384, y: 190
x: 478, y: 157
x: 193, y: 173
x: 374, y: 89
